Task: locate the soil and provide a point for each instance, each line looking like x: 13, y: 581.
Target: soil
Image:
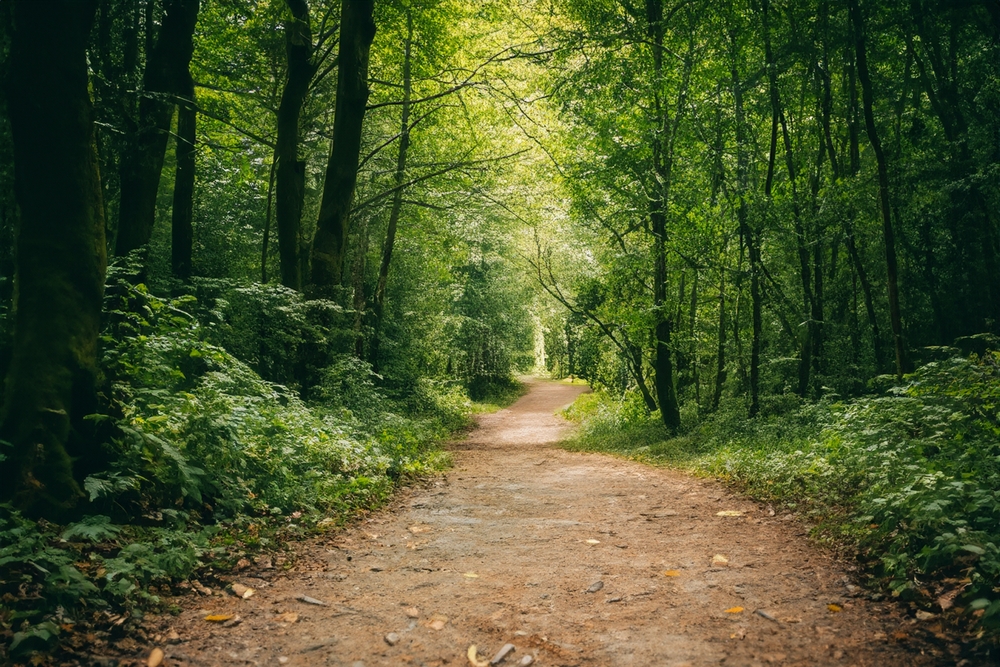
x: 575, y: 559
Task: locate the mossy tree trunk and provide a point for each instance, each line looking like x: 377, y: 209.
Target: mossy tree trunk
x: 357, y: 31
x: 60, y: 256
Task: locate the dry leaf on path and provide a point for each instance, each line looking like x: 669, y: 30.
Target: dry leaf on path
x: 718, y: 560
x: 155, y: 658
x: 241, y: 591
x: 218, y: 618
x: 735, y: 610
x: 729, y: 513
x: 474, y: 660
x: 592, y: 541
x: 470, y: 575
x: 287, y: 617
x: 672, y: 573
x: 834, y: 608
x: 739, y: 634
x: 437, y: 622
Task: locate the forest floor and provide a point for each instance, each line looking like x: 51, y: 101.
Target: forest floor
x: 575, y: 559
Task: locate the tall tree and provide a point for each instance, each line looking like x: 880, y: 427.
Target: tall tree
x: 168, y: 55
x: 290, y: 171
x: 357, y: 31
x: 378, y: 304
x: 182, y: 213
x: 60, y: 257
x: 888, y: 235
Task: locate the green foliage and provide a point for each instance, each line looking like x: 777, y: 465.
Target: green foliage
x: 907, y: 480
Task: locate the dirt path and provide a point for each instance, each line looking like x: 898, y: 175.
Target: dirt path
x: 505, y: 549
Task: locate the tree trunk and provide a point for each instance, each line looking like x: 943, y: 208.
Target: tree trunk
x: 165, y: 78
x: 378, y: 302
x: 358, y: 283
x: 720, y: 357
x: 777, y: 112
x: 662, y: 145
x: 290, y: 171
x: 867, y: 98
x: 266, y: 241
x: 357, y: 30
x: 749, y: 236
x: 182, y: 215
x: 60, y: 258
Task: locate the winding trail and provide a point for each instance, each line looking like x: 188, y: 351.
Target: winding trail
x: 505, y: 548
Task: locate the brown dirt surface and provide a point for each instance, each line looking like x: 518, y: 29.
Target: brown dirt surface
x: 575, y: 559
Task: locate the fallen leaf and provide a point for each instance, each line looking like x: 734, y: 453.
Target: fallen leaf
x: 791, y: 619
x: 593, y: 541
x: 739, y: 634
x: 672, y: 573
x: 735, y: 610
x: 218, y: 618
x: 287, y: 617
x: 437, y: 622
x: 241, y: 591
x: 718, y: 560
x: 474, y: 660
x: 155, y: 658
x: 729, y: 513
x: 925, y: 615
x: 900, y: 636
x: 470, y: 575
x: 834, y: 608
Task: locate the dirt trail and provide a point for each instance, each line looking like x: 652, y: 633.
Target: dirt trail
x: 505, y: 549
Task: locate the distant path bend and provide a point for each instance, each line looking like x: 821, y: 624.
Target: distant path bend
x: 505, y: 548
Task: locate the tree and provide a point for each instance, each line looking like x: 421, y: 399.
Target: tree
x: 290, y: 170
x: 357, y: 31
x: 166, y: 77
x: 60, y: 258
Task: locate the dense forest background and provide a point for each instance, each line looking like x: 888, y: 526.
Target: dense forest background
x: 258, y: 256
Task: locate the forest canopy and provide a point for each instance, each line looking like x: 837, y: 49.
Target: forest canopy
x: 258, y: 256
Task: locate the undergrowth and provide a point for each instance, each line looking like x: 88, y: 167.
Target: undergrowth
x: 206, y: 463
x: 908, y: 481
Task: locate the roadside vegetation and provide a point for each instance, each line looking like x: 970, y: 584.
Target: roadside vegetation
x: 904, y: 480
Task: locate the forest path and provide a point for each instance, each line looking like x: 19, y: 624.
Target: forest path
x: 505, y: 547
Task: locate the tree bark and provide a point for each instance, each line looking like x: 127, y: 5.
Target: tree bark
x: 60, y: 258
x: 888, y: 235
x: 290, y: 171
x: 165, y: 77
x: 357, y: 31
x: 182, y: 214
x: 378, y: 301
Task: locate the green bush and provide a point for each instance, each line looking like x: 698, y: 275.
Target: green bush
x: 910, y: 481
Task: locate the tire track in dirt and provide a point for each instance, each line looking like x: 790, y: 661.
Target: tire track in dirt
x: 576, y: 559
